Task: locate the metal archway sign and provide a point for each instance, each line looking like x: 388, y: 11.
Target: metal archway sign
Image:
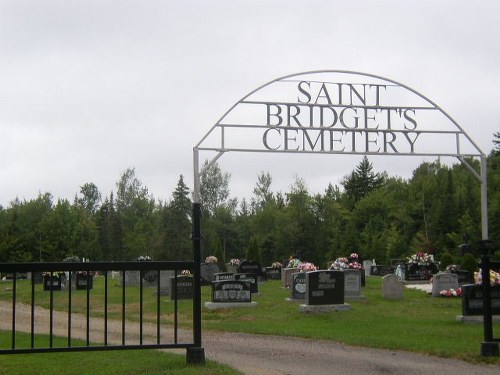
x: 332, y: 112
x: 340, y: 112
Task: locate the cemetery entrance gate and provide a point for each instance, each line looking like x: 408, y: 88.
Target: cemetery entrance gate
x: 337, y: 112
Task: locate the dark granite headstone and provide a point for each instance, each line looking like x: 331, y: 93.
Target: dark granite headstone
x: 250, y: 266
x: 420, y: 272
x: 84, y: 283
x: 221, y: 276
x: 472, y: 300
x: 298, y: 285
x: 184, y: 288
x: 464, y: 277
x: 251, y: 278
x: 207, y: 272
x: 273, y: 273
x: 52, y: 283
x: 231, y: 291
x: 37, y: 277
x: 325, y: 287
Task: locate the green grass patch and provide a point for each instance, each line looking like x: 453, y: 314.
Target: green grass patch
x: 123, y: 362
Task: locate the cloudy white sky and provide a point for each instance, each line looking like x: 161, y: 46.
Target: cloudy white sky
x: 91, y: 88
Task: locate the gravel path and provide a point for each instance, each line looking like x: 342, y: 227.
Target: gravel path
x: 264, y: 355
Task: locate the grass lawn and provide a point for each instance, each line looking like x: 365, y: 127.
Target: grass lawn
x: 128, y: 362
x: 418, y: 323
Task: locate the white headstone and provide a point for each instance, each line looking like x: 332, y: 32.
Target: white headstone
x: 443, y: 281
x: 392, y: 287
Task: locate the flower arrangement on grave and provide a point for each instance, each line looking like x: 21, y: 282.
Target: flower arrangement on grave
x: 54, y: 274
x: 453, y: 268
x: 354, y: 262
x: 277, y: 265
x: 211, y: 259
x: 421, y: 258
x: 340, y: 264
x: 451, y: 292
x: 234, y: 262
x: 307, y: 267
x: 494, y: 277
x: 186, y: 273
x: 294, y: 263
x: 144, y: 258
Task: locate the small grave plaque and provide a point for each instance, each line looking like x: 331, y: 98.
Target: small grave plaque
x: 231, y: 291
x: 472, y: 300
x: 392, y: 287
x: 444, y: 281
x: 298, y: 285
x: 324, y: 287
x: 184, y: 288
x: 207, y: 272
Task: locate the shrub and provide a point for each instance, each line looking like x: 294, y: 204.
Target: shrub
x: 446, y: 260
x: 469, y: 263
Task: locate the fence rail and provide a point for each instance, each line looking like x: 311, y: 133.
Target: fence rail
x: 62, y: 275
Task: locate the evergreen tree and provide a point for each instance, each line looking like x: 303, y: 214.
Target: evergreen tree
x: 360, y: 182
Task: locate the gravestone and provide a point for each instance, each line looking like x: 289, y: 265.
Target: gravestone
x: 165, y: 284
x: 472, y: 300
x: 37, y: 277
x: 184, y: 289
x: 298, y: 289
x: 367, y: 264
x: 443, y: 281
x: 53, y: 283
x: 287, y: 276
x: 273, y: 273
x: 221, y: 276
x: 82, y: 282
x: 207, y: 272
x: 231, y: 268
x: 420, y: 272
x: 132, y: 278
x: 250, y: 266
x: 464, y: 277
x: 352, y: 284
x: 250, y: 278
x: 324, y: 288
x: 231, y: 291
x: 392, y: 287
x: 381, y: 270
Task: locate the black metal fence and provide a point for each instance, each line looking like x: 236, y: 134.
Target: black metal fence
x: 76, y: 281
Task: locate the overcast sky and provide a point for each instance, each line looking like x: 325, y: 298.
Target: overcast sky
x: 91, y: 88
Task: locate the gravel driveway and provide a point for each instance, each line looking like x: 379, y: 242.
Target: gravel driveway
x: 269, y: 355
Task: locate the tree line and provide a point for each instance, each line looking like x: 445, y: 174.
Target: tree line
x: 375, y: 215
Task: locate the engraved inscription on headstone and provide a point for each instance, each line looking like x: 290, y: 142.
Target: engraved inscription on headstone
x: 298, y: 285
x: 231, y: 291
x: 444, y: 281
